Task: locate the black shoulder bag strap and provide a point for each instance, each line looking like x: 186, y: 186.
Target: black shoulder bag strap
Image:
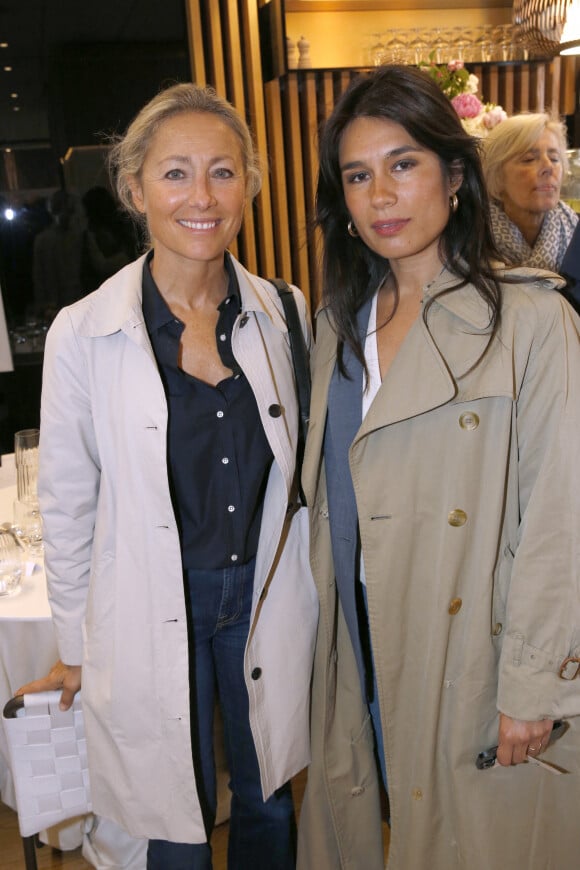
x: 301, y: 365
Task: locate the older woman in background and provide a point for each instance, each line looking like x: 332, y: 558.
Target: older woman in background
x: 524, y: 163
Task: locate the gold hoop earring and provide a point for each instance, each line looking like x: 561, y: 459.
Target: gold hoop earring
x: 352, y: 230
x: 453, y: 203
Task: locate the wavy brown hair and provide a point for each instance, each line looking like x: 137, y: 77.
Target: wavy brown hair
x: 351, y: 270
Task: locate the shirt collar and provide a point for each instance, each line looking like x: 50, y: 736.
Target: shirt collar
x: 156, y: 310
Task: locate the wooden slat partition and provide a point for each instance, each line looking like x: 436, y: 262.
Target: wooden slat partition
x: 286, y: 114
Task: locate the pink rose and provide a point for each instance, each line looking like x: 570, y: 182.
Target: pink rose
x: 454, y: 65
x: 493, y: 117
x: 467, y: 105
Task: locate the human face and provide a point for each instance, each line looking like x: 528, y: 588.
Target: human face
x: 396, y: 191
x: 192, y: 189
x: 531, y: 182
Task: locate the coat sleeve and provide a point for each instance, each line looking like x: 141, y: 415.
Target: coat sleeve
x: 68, y: 484
x: 543, y: 605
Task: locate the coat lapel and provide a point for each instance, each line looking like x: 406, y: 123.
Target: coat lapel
x: 417, y: 381
x: 261, y: 346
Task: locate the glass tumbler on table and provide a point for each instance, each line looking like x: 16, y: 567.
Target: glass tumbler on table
x: 27, y: 522
x: 26, y: 462
x: 10, y: 564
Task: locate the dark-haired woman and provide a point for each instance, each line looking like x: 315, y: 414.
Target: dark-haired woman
x: 443, y: 476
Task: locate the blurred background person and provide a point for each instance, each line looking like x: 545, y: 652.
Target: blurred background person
x: 58, y: 254
x: 524, y: 161
x: 109, y: 243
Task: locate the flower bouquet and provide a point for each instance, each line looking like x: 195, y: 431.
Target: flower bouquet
x: 461, y: 87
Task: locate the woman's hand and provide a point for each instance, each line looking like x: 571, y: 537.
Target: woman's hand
x: 517, y: 739
x: 60, y: 676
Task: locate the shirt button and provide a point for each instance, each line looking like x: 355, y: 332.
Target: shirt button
x: 469, y: 420
x: 223, y: 336
x: 455, y: 606
x: 225, y: 460
x: 457, y: 518
x: 234, y: 558
x: 358, y: 789
x: 231, y: 508
x: 220, y: 414
x: 274, y: 410
x: 256, y: 673
x: 497, y: 629
x: 243, y: 320
x: 417, y: 794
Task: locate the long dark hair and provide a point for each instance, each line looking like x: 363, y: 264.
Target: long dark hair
x: 352, y: 271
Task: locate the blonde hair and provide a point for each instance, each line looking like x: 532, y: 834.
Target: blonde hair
x: 128, y: 152
x: 512, y: 138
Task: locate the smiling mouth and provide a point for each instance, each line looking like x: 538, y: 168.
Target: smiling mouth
x: 199, y: 225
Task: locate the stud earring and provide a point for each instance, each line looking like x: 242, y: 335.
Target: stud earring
x: 352, y: 230
x: 453, y: 203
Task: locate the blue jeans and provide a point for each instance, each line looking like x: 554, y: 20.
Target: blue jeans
x: 262, y: 834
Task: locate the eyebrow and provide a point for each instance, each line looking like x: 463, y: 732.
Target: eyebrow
x: 396, y: 152
x: 181, y: 158
x: 535, y: 151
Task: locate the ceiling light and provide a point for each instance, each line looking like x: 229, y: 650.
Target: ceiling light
x: 7, y: 69
x: 15, y: 108
x: 3, y: 45
x: 14, y: 96
x: 9, y: 214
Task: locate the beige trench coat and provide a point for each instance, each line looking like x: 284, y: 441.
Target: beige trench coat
x: 113, y: 558
x: 468, y: 495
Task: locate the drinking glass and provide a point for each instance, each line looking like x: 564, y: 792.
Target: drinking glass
x: 418, y: 46
x: 378, y: 52
x: 10, y: 564
x: 398, y: 46
x: 28, y: 526
x: 26, y: 461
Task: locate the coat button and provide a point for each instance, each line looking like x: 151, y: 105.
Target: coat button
x: 274, y: 410
x: 455, y: 606
x: 457, y: 518
x: 497, y: 629
x: 358, y: 789
x: 256, y: 673
x: 417, y: 794
x: 469, y: 420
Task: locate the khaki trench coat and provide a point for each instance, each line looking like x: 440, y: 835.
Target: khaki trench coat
x: 113, y: 558
x: 468, y: 494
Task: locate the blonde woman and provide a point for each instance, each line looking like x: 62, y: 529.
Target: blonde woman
x: 175, y: 545
x: 524, y: 161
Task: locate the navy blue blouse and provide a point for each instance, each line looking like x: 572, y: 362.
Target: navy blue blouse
x: 217, y: 450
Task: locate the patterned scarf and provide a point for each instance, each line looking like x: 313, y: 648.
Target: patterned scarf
x: 550, y: 246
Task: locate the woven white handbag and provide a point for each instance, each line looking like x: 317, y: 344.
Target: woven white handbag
x: 48, y: 760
